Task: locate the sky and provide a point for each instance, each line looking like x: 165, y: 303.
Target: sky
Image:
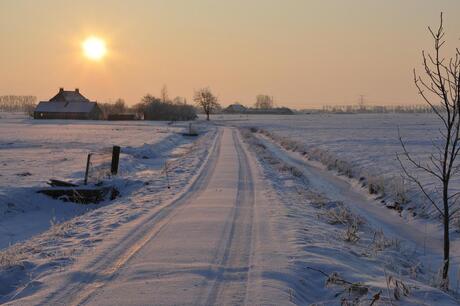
x: 304, y: 53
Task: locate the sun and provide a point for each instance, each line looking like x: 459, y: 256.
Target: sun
x: 94, y: 48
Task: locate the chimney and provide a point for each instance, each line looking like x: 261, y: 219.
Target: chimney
x: 61, y: 89
x: 77, y: 90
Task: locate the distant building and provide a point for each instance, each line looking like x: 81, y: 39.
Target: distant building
x: 235, y: 109
x: 68, y: 105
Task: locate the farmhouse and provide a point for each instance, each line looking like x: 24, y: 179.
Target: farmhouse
x: 68, y: 105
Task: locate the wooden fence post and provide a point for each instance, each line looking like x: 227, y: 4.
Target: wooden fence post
x: 115, y: 159
x: 88, y: 161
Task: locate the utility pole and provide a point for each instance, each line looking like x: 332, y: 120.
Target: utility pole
x: 362, y: 106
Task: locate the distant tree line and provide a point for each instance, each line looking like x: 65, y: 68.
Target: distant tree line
x: 163, y: 108
x: 118, y: 107
x: 13, y: 103
x: 377, y: 108
x: 264, y: 105
x: 149, y: 108
x: 153, y: 108
x: 264, y: 102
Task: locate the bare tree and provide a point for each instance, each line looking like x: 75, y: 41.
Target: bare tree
x: 14, y: 103
x: 264, y: 102
x: 119, y: 107
x: 440, y: 89
x: 179, y: 100
x: 164, y: 94
x: 205, y: 99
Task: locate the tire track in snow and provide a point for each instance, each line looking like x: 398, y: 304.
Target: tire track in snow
x: 230, y: 284
x: 105, y: 267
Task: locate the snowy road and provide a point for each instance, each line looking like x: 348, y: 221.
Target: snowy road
x: 198, y: 249
x: 201, y: 252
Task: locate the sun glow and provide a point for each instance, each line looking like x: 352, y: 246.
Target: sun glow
x: 94, y: 48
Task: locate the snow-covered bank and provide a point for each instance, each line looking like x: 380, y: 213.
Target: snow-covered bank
x: 142, y: 182
x: 345, y: 255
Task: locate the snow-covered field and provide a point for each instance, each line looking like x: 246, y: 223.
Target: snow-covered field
x: 368, y: 141
x: 32, y: 152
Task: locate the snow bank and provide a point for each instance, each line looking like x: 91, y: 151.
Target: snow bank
x: 343, y: 258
